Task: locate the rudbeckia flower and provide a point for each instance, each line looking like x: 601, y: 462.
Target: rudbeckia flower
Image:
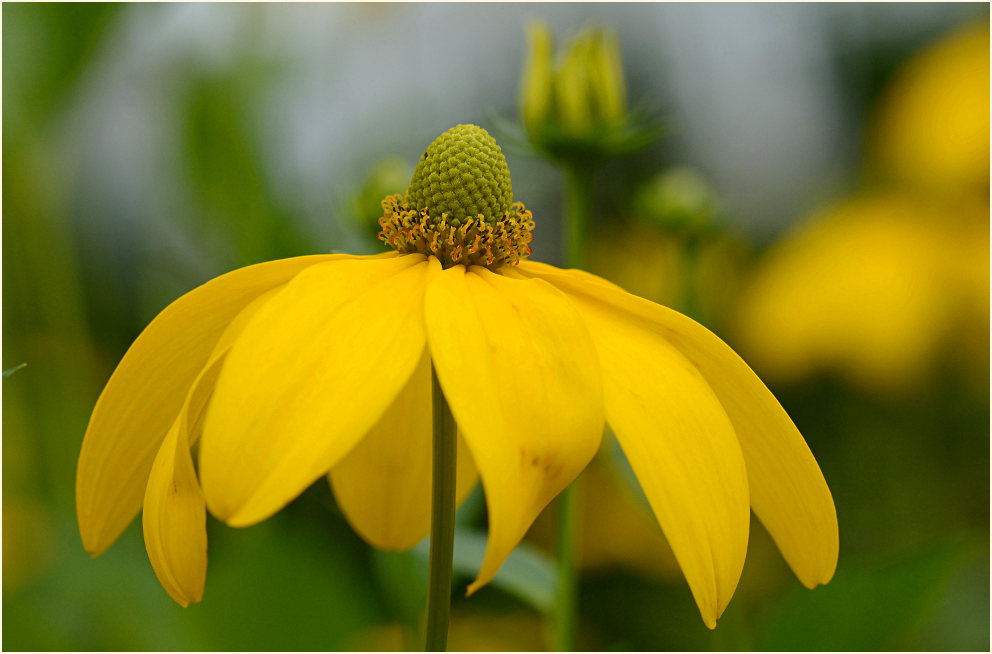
x: 291, y: 370
x: 874, y: 288
x: 930, y: 132
x: 882, y: 286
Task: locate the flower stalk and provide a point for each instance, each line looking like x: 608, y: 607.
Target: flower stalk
x: 577, y: 218
x: 442, y: 521
x: 578, y: 214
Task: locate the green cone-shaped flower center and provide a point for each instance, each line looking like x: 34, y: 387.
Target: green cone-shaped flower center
x: 462, y: 174
x: 459, y: 206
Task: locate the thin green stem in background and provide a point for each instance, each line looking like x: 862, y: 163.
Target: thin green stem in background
x: 576, y: 226
x: 442, y: 522
x: 566, y: 600
x: 689, y: 262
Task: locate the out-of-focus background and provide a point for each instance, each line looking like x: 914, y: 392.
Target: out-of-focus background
x: 826, y: 166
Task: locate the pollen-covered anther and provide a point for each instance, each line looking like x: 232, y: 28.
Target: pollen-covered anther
x: 465, y: 241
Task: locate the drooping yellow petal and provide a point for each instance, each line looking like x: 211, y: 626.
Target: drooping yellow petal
x: 788, y: 492
x: 146, y: 391
x: 310, y: 375
x: 682, y: 448
x: 174, y: 513
x: 174, y: 520
x: 521, y: 375
x: 383, y: 486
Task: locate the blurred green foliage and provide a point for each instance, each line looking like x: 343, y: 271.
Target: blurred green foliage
x: 225, y: 171
x: 909, y: 474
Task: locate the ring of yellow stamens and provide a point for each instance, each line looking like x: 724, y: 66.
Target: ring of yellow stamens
x: 457, y: 241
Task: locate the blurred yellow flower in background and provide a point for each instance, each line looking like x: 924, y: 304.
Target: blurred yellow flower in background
x: 640, y: 258
x: 299, y: 368
x: 883, y: 285
x: 931, y: 131
x: 870, y: 288
x: 652, y: 263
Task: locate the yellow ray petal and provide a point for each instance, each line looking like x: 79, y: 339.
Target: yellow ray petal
x: 558, y: 277
x: 203, y: 387
x: 521, y: 375
x: 788, y: 492
x: 310, y: 375
x: 682, y: 448
x: 384, y: 484
x: 146, y: 391
x: 174, y: 514
x: 174, y: 519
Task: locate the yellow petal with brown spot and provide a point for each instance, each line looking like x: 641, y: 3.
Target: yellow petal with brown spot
x: 521, y: 375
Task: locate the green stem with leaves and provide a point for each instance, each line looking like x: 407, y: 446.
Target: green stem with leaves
x: 442, y: 521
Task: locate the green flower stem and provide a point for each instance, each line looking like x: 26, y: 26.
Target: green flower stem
x: 577, y: 221
x: 442, y: 521
x: 566, y: 599
x: 578, y: 214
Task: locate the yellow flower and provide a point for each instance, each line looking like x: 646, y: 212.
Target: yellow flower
x: 873, y: 288
x: 883, y: 285
x: 931, y: 132
x: 295, y: 369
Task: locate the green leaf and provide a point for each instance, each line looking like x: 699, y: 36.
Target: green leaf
x: 528, y: 573
x: 869, y: 605
x: 227, y: 166
x: 402, y: 577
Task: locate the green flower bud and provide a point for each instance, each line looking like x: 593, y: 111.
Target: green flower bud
x: 679, y: 198
x: 364, y: 206
x: 589, y: 84
x: 583, y: 93
x: 537, y: 81
x: 573, y: 90
x: 609, y: 90
x: 575, y: 108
